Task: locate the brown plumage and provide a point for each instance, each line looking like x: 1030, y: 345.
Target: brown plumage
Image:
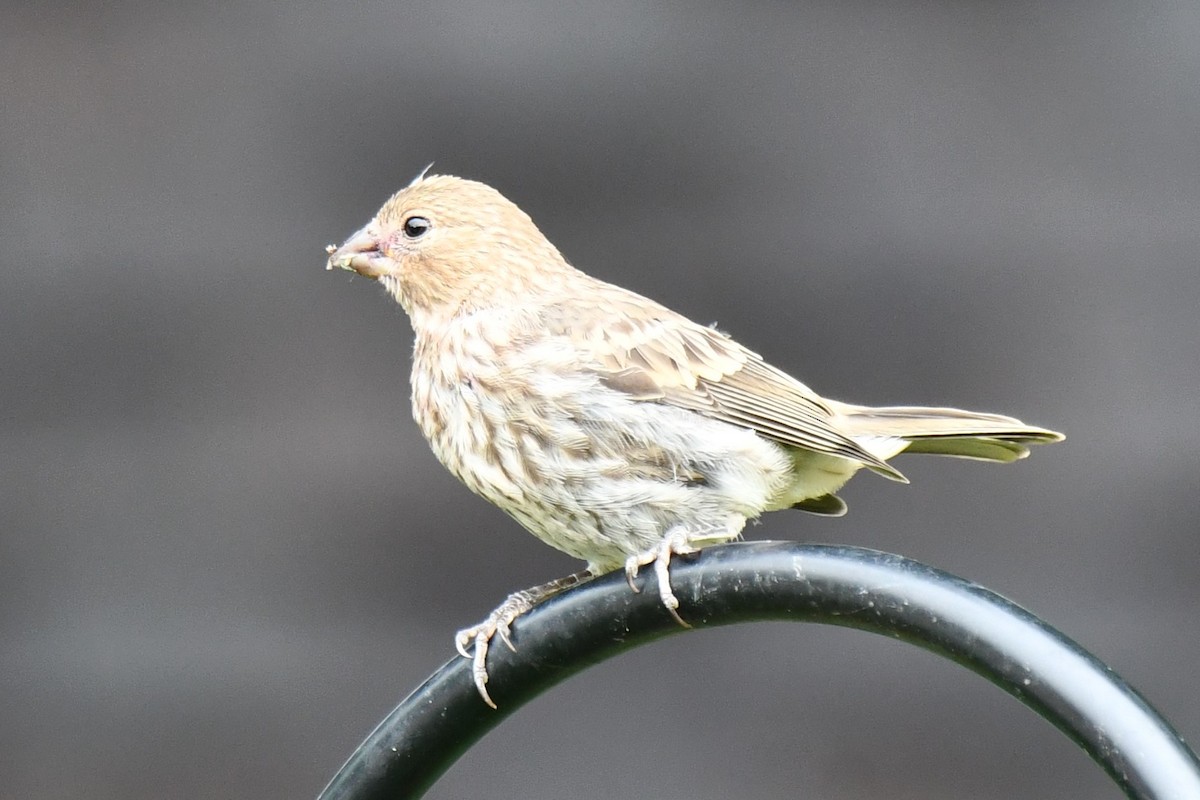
x: 608, y: 425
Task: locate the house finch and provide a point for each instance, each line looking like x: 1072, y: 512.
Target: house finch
x: 613, y: 428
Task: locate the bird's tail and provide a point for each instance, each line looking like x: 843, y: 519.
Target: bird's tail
x: 889, y: 430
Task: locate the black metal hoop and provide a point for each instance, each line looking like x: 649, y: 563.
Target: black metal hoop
x: 727, y: 584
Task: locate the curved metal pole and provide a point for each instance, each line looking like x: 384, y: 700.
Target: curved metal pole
x: 722, y: 585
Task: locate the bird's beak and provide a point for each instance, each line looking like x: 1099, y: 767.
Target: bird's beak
x: 360, y: 253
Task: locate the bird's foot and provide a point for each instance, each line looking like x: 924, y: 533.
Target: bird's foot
x: 472, y: 643
x: 478, y: 637
x: 674, y: 543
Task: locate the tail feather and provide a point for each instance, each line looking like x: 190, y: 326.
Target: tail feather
x: 978, y: 449
x: 942, y: 431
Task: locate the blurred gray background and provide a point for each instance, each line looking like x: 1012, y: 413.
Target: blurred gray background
x: 226, y: 552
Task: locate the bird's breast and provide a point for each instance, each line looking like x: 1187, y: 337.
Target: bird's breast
x: 467, y: 429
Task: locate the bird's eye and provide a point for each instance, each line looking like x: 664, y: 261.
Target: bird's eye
x: 416, y: 227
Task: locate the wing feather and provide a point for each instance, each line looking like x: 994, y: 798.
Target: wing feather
x: 656, y: 355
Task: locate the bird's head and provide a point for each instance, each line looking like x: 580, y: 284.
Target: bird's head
x: 444, y: 245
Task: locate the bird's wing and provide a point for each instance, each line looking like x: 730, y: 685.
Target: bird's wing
x: 656, y: 355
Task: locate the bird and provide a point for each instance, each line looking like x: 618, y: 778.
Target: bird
x: 611, y: 427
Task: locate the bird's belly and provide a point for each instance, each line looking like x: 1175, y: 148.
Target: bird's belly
x: 605, y: 477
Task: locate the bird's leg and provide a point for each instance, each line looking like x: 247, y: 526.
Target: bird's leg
x: 675, y: 542
x: 498, y: 622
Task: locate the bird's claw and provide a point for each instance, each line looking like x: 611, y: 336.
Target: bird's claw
x: 479, y: 637
x: 674, y: 543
